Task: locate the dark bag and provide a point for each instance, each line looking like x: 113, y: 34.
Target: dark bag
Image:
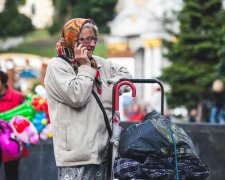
x: 152, y: 143
x: 153, y: 137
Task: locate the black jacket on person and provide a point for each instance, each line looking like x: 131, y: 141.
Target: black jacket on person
x: 218, y: 99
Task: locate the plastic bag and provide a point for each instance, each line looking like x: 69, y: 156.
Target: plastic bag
x: 153, y: 137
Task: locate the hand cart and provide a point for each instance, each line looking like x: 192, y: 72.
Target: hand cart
x: 116, y: 123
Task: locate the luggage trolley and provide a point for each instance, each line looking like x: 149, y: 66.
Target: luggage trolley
x: 117, y: 126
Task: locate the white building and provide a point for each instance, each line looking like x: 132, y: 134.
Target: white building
x: 39, y: 11
x: 138, y: 29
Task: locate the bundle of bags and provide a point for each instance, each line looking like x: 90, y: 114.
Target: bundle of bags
x: 157, y: 149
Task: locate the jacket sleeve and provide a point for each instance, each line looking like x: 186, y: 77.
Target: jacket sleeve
x: 64, y: 85
x: 117, y: 73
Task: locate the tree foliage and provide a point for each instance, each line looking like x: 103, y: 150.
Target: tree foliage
x: 101, y: 11
x: 60, y: 15
x: 221, y: 53
x: 194, y: 56
x: 12, y: 23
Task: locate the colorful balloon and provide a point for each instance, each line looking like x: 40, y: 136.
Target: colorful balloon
x: 40, y: 121
x: 39, y: 103
x: 24, y: 130
x: 46, y: 132
x: 11, y: 147
x: 25, y: 109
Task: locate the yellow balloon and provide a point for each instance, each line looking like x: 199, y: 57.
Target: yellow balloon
x: 49, y: 135
x: 41, y: 101
x: 44, y: 121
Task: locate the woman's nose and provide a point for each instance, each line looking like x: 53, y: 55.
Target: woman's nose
x: 92, y: 43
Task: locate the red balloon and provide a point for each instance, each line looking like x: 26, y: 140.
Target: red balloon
x: 20, y: 124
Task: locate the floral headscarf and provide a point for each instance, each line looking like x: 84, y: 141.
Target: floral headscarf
x: 64, y: 47
x: 70, y: 34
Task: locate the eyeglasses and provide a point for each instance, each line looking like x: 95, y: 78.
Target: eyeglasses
x: 89, y: 39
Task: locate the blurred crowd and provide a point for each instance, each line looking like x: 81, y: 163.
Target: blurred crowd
x: 134, y: 109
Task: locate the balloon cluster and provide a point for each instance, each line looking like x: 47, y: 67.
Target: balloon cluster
x: 40, y: 121
x: 46, y: 133
x: 25, y: 123
x: 41, y: 117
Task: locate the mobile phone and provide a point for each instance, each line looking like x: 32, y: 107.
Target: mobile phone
x: 77, y: 42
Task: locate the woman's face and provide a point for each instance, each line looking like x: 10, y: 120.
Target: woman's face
x: 88, y: 39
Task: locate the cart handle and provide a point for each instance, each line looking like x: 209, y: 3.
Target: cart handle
x: 149, y: 81
x: 118, y: 85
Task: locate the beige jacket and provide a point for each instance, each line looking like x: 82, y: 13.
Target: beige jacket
x: 79, y: 132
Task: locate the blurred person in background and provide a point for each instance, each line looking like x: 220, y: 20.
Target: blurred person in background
x: 80, y: 136
x: 137, y: 113
x: 155, y: 103
x: 10, y: 98
x: 217, y: 110
x: 193, y: 115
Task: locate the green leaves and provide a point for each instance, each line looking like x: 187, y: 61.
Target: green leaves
x: 11, y: 22
x: 197, y: 55
x: 101, y: 11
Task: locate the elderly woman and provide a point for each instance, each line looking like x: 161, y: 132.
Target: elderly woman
x: 80, y: 136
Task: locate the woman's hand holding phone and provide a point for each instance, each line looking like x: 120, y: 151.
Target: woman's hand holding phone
x: 80, y: 53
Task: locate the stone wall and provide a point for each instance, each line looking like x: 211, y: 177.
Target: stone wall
x: 209, y: 141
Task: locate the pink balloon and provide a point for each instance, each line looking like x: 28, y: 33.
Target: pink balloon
x: 24, y: 130
x: 11, y: 147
